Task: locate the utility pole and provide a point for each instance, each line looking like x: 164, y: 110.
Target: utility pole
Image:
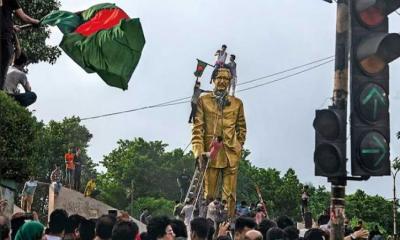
x: 394, y: 205
x: 340, y: 92
x: 396, y: 169
x: 132, y: 189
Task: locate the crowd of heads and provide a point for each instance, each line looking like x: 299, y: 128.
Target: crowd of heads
x: 74, y: 227
x: 109, y: 227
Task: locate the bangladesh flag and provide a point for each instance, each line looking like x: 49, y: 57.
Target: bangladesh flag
x: 102, y: 39
x: 200, y: 68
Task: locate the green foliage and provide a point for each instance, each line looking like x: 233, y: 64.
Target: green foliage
x: 370, y: 209
x: 18, y: 130
x: 281, y: 194
x: 396, y: 164
x: 152, y: 170
x: 369, y: 225
x: 319, y: 200
x: 289, y: 194
x: 33, y: 40
x: 156, y: 206
x: 48, y: 147
x: 53, y: 142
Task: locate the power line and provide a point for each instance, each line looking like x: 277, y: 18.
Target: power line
x: 181, y: 100
x: 134, y: 110
x: 285, y: 77
x: 285, y: 71
x: 264, y: 77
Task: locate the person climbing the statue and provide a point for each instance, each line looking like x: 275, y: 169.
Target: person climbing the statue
x: 220, y: 59
x: 197, y: 91
x: 220, y: 56
x: 215, y: 146
x: 232, y: 67
x: 219, y: 114
x: 183, y: 181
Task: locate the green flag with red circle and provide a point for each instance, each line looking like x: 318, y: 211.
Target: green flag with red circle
x: 102, y: 39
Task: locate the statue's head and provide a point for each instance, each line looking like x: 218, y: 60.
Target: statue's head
x: 222, y: 79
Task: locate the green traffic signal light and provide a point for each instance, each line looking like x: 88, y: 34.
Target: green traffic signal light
x: 373, y: 150
x: 373, y: 103
x: 372, y: 48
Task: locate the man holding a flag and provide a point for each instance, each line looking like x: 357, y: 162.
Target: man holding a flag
x: 8, y: 7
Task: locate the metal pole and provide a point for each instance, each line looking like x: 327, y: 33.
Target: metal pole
x: 132, y: 197
x: 340, y: 92
x: 337, y: 208
x: 340, y: 88
x: 394, y: 206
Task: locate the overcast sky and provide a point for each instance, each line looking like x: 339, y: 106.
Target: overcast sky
x: 267, y: 36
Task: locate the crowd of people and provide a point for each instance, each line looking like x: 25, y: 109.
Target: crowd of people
x: 109, y: 227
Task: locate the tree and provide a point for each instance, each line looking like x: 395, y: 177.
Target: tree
x: 33, y: 40
x: 245, y: 184
x: 51, y: 143
x: 152, y: 170
x: 319, y: 200
x: 287, y: 201
x: 370, y: 209
x: 156, y: 206
x: 18, y: 130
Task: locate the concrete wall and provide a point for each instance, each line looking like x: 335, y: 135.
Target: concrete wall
x: 8, y: 195
x: 75, y: 203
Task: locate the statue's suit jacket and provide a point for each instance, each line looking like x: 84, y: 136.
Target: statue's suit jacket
x: 210, y: 122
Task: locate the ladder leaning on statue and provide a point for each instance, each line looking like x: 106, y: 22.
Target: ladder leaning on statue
x: 195, y: 190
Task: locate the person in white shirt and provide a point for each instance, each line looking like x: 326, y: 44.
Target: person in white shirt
x: 220, y: 56
x: 17, y: 75
x: 187, y: 211
x: 27, y: 194
x: 232, y: 67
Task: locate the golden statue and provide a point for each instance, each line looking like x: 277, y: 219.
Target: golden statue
x: 220, y: 115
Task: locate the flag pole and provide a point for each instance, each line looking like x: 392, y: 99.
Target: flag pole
x: 205, y: 62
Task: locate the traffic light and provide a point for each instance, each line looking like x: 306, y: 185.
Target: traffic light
x: 371, y: 49
x: 330, y: 142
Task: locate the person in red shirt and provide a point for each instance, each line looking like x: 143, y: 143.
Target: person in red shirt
x: 215, y: 146
x: 69, y: 167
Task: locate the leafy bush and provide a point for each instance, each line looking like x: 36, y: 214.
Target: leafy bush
x: 17, y: 134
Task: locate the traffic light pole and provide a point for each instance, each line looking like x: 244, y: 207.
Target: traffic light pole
x: 340, y: 92
x: 340, y: 87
